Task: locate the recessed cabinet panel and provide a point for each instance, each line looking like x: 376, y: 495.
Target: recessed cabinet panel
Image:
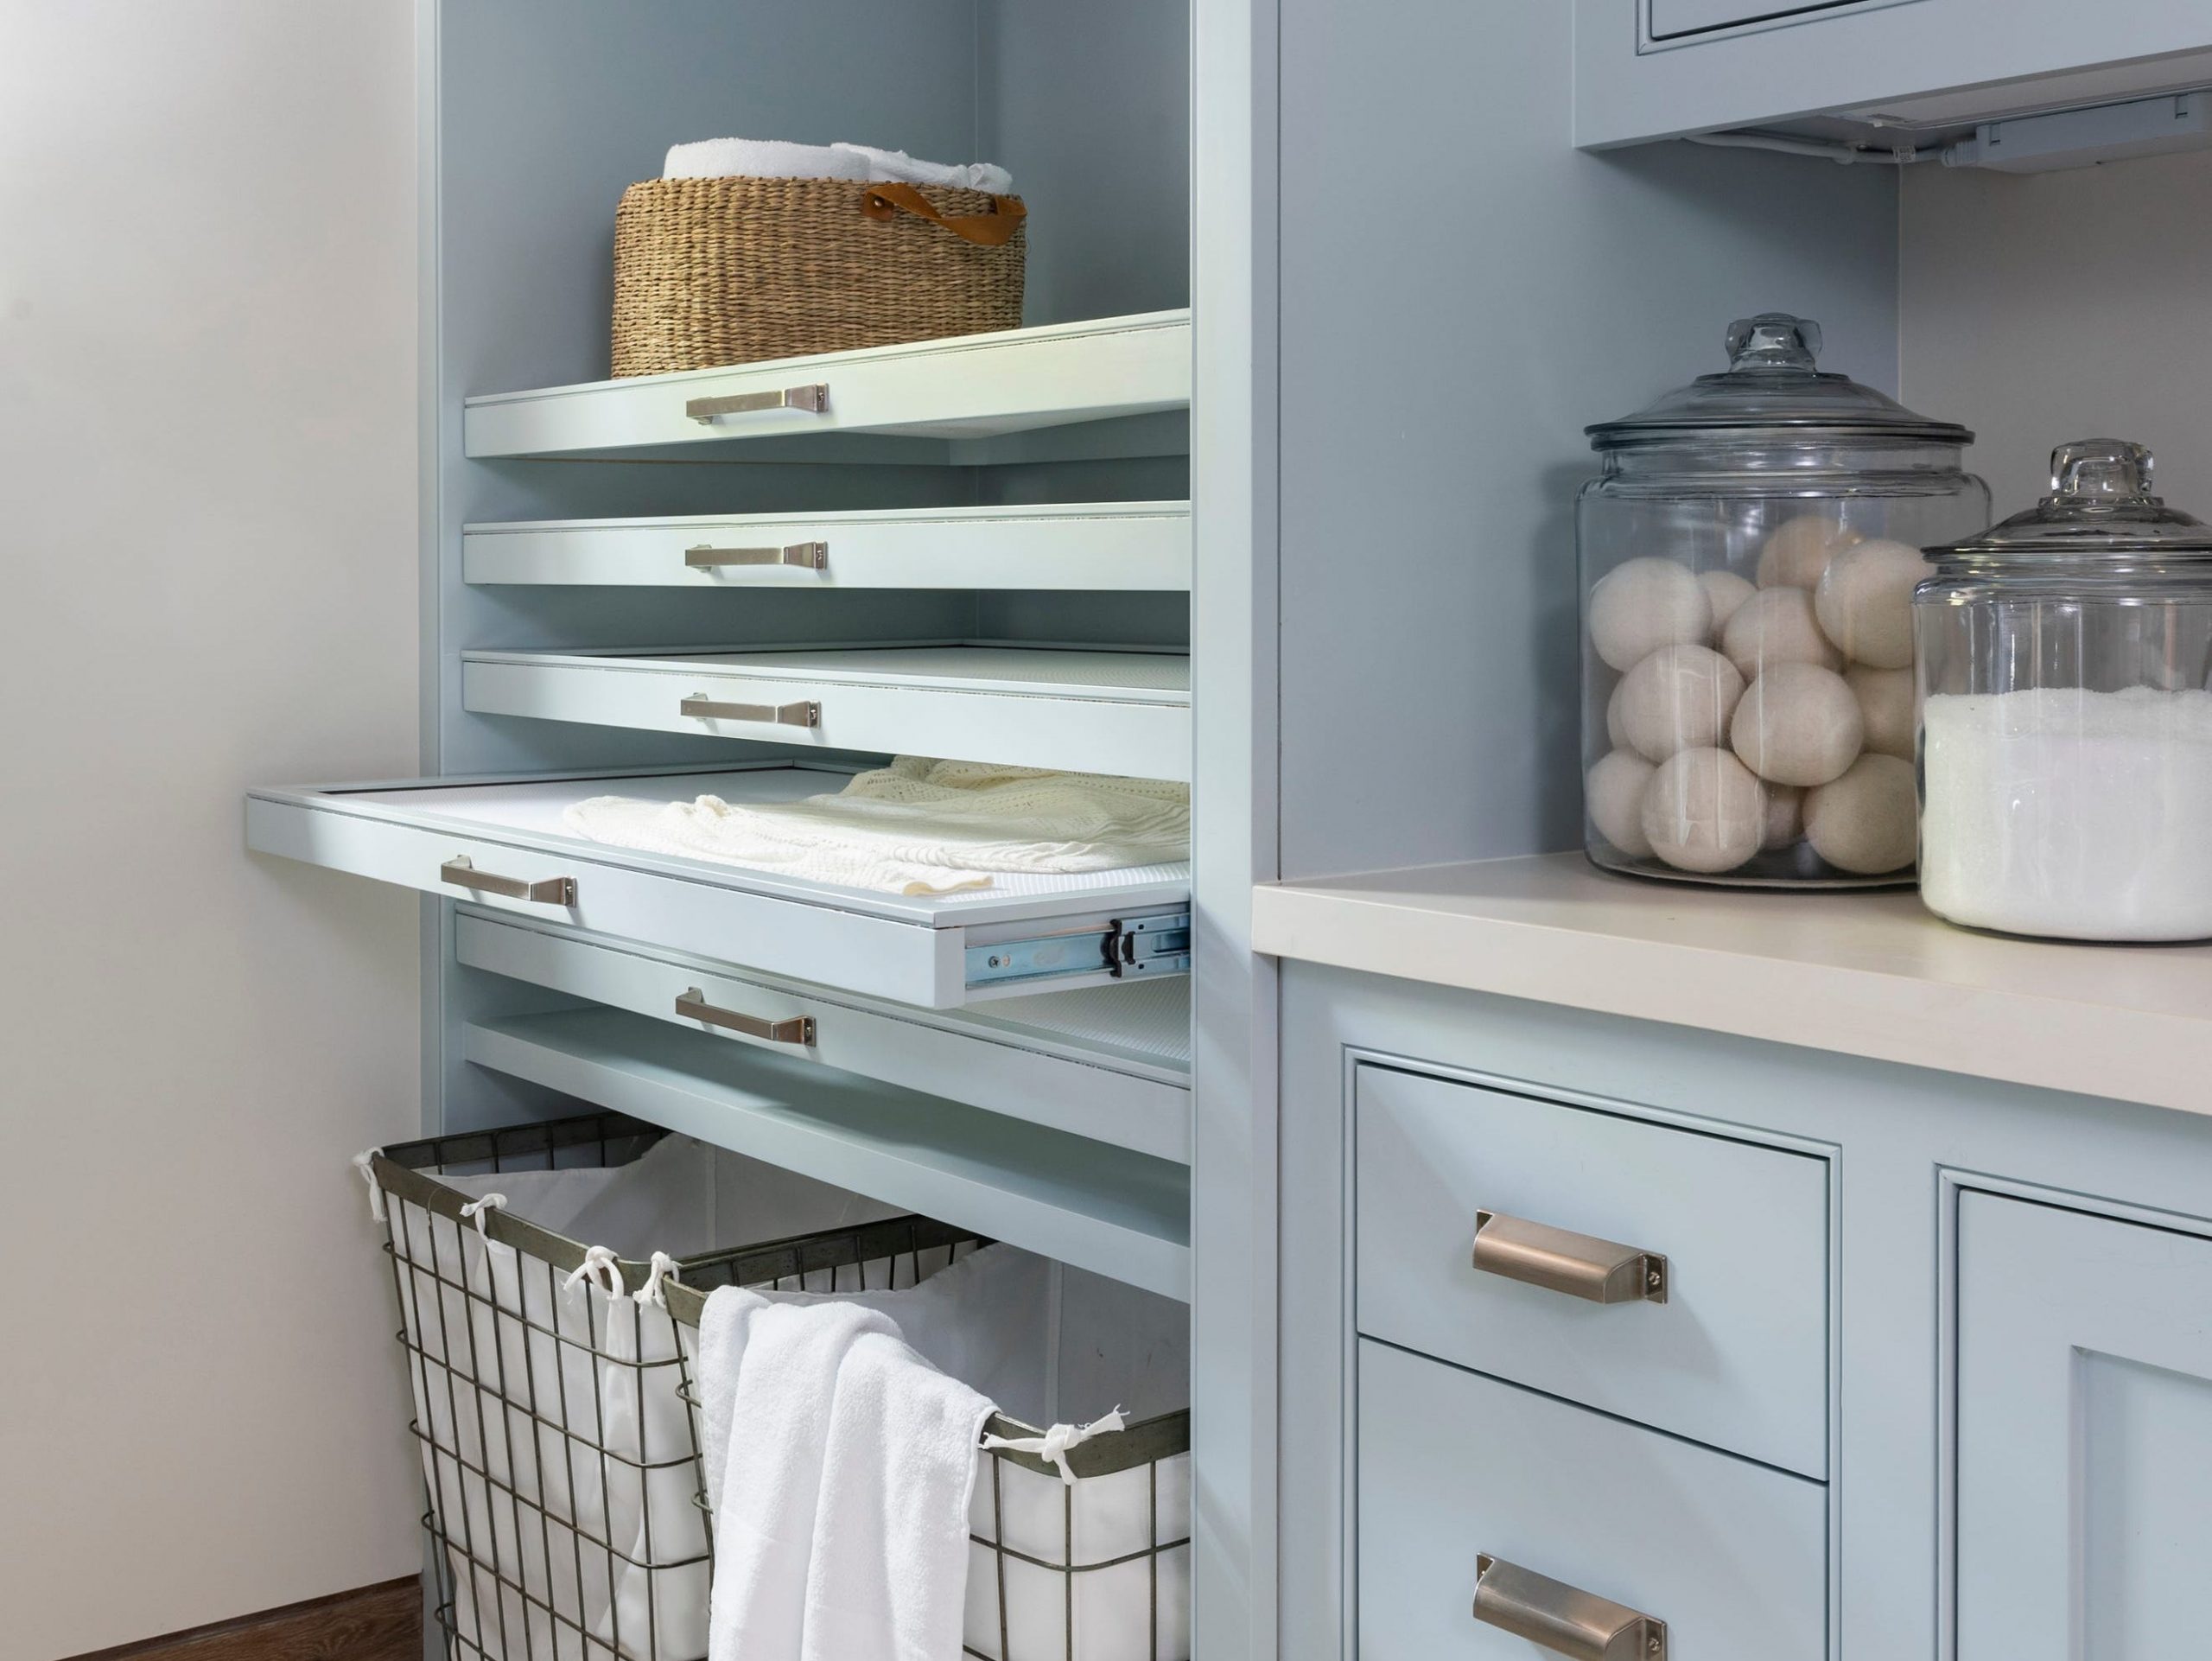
x: 1730, y: 1556
x: 1487, y: 1224
x: 2084, y: 1435
x: 1673, y: 19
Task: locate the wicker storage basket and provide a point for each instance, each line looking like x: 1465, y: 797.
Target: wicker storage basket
x: 716, y: 271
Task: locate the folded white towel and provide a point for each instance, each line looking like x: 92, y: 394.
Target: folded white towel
x: 917, y: 827
x: 885, y: 165
x: 761, y: 158
x: 840, y: 1465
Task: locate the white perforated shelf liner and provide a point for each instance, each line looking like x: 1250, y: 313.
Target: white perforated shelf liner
x: 537, y: 806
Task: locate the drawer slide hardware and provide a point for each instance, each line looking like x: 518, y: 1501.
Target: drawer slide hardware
x: 700, y: 707
x: 460, y: 871
x: 706, y: 410
x: 1579, y: 1265
x: 1136, y: 945
x: 692, y: 1005
x: 1579, y: 1624
x: 805, y: 556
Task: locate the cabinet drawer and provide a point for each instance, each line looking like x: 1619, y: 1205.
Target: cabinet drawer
x: 503, y: 843
x: 1127, y: 713
x: 972, y: 386
x: 1109, y: 1063
x: 1735, y: 1356
x: 1731, y: 1555
x: 1087, y: 547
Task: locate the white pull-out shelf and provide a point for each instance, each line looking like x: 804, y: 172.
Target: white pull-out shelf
x: 503, y: 844
x: 1123, y: 1214
x: 969, y: 387
x: 1127, y: 713
x: 1111, y: 1063
x: 1087, y: 547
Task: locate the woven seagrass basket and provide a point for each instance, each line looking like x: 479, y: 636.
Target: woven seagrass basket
x: 715, y: 271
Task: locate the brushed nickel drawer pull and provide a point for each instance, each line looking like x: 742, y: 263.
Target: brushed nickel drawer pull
x: 700, y: 707
x: 1567, y: 1621
x: 462, y: 872
x: 813, y: 399
x: 806, y: 556
x: 1580, y: 1265
x: 693, y: 1006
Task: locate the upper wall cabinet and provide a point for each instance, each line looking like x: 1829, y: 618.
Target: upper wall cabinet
x: 1647, y: 69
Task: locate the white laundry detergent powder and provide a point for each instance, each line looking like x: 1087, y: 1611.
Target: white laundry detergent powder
x: 2082, y: 815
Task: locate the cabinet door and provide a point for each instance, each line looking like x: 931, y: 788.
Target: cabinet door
x: 1649, y: 69
x: 2085, y: 1436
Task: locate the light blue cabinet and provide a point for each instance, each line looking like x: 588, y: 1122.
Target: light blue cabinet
x: 2084, y: 1435
x: 1736, y: 1353
x: 1649, y: 69
x: 1949, y: 1371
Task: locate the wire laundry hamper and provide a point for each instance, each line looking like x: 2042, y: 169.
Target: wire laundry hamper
x: 559, y: 1443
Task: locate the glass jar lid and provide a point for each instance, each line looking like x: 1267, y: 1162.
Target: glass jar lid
x: 2100, y: 505
x: 1771, y: 382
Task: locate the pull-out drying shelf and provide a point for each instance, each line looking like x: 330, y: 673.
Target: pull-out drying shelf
x: 1087, y: 547
x: 503, y: 843
x: 1110, y: 1210
x: 969, y: 388
x: 1127, y: 713
x: 1109, y: 1063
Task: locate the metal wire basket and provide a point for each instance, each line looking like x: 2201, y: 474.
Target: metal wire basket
x: 560, y: 1442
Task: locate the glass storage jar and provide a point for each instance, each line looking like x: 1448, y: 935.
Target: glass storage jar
x: 2066, y: 726
x: 1748, y: 561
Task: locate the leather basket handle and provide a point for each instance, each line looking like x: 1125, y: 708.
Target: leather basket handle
x: 992, y: 230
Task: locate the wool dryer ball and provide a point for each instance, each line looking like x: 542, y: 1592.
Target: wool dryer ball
x: 1798, y: 552
x: 1777, y: 625
x: 1864, y: 823
x: 1865, y: 602
x: 1704, y: 812
x: 1786, y: 816
x: 1614, y: 794
x: 1728, y: 592
x: 1644, y: 604
x: 1799, y: 724
x: 1679, y: 698
x: 1885, y: 700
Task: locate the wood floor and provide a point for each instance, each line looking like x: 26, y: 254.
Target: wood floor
x: 376, y: 1623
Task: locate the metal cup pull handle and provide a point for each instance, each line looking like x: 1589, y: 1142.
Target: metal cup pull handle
x: 805, y: 556
x: 1565, y: 1620
x: 700, y: 707
x: 706, y: 410
x: 693, y: 1006
x: 462, y: 872
x: 1559, y: 1260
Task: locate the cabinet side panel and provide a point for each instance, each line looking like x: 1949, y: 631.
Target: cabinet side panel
x: 1463, y: 292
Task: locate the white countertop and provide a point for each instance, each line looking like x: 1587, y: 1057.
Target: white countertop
x: 1862, y: 974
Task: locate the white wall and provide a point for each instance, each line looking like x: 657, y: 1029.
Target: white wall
x: 207, y: 577
x: 2067, y: 305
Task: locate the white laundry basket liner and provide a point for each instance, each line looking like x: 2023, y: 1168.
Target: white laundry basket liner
x: 559, y: 1450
